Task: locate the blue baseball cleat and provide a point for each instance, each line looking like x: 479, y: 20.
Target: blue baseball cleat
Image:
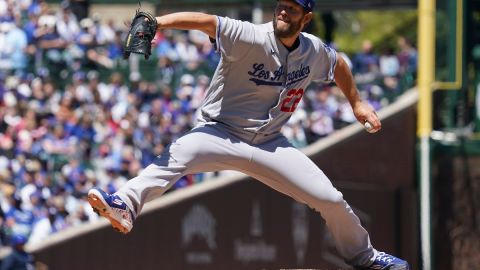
x: 385, y: 261
x: 113, y: 208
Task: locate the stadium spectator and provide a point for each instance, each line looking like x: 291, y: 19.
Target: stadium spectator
x: 389, y: 63
x: 44, y: 226
x: 114, y: 48
x: 13, y: 42
x: 67, y: 24
x: 367, y: 60
x: 8, y: 11
x: 91, y: 42
x: 321, y: 109
x: 407, y: 56
x: 18, y: 259
x: 18, y: 221
x: 165, y: 44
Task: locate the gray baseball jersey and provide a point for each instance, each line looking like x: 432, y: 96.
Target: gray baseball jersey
x: 258, y: 82
x: 254, y: 91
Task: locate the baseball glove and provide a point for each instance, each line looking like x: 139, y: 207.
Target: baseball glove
x: 142, y: 31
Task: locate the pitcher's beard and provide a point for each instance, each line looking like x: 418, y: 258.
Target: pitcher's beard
x: 290, y: 31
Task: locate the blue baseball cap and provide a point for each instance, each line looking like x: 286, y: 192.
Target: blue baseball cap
x: 307, y: 5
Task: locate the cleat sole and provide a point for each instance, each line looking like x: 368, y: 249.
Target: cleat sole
x: 99, y: 208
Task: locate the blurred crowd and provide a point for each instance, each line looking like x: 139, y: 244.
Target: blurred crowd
x: 72, y: 116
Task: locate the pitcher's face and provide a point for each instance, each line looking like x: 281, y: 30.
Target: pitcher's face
x: 289, y: 19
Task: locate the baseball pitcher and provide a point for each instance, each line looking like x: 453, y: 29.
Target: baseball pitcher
x: 262, y: 76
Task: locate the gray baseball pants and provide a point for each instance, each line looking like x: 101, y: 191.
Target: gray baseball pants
x: 274, y: 161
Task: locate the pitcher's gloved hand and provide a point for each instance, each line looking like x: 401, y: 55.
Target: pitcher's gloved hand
x: 139, y: 38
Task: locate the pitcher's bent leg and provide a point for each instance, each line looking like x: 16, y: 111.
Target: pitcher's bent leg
x: 202, y: 149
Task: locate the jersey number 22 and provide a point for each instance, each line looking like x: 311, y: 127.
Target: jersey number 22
x: 290, y: 102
